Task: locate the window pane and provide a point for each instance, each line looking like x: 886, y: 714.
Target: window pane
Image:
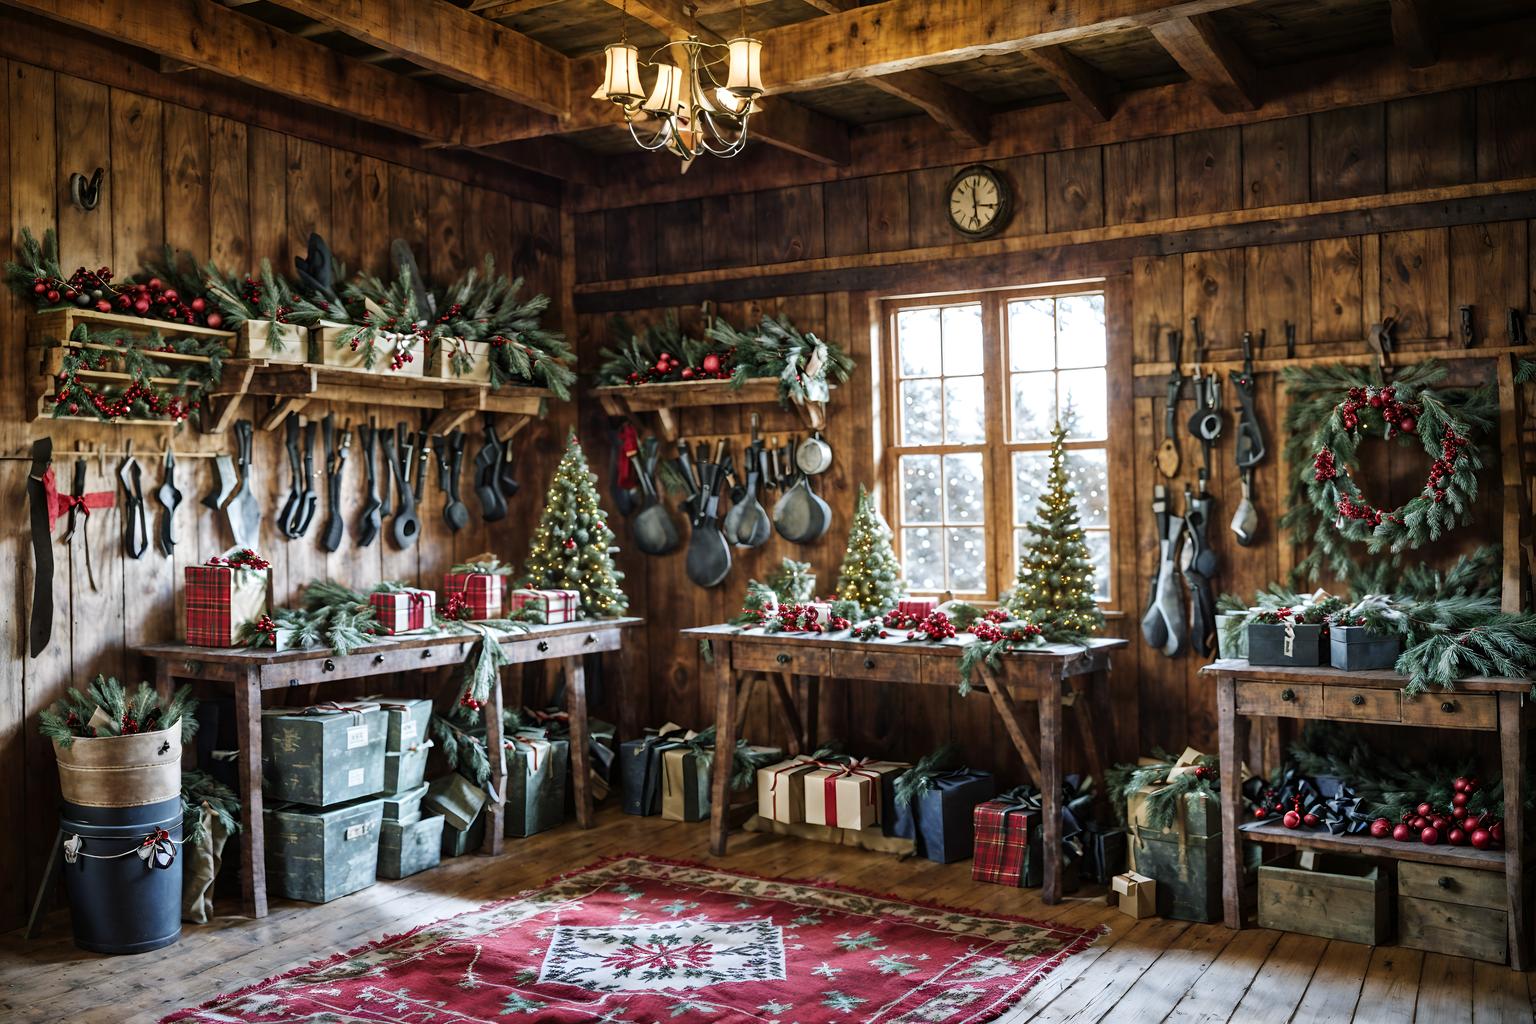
x: 1080, y: 331
x: 917, y: 332
x: 921, y: 422
x: 967, y: 560
x: 963, y: 488
x: 965, y: 410
x: 1089, y: 472
x: 922, y: 559
x: 1031, y: 334
x: 920, y: 489
x: 1029, y: 473
x: 1034, y: 406
x: 1084, y: 404
x: 962, y: 340
x: 1098, y: 552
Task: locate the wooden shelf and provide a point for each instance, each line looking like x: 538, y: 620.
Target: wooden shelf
x: 666, y: 400
x: 1368, y: 846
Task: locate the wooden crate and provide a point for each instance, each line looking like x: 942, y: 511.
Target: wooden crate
x: 441, y: 364
x: 253, y: 341
x: 1340, y: 897
x: 1453, y: 910
x: 323, y: 350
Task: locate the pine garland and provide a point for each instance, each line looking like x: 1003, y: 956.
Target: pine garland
x: 483, y: 306
x: 911, y: 784
x: 133, y: 354
x: 200, y: 790
x: 1163, y: 802
x: 647, y: 357
x: 267, y: 298
x: 124, y: 713
x: 804, y: 364
x: 464, y: 747
x: 329, y: 615
x: 481, y: 671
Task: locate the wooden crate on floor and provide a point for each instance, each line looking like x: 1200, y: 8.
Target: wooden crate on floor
x: 1340, y: 897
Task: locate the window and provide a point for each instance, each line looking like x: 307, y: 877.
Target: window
x: 979, y: 382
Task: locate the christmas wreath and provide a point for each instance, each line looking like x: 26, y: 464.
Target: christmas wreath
x: 133, y: 355
x: 1332, y: 410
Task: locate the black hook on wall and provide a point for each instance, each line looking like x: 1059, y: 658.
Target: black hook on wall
x: 86, y: 192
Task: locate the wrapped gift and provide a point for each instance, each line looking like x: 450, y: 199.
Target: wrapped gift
x: 781, y: 789
x: 1002, y: 829
x: 556, y: 724
x: 472, y: 589
x: 407, y: 610
x: 1076, y: 805
x: 459, y: 841
x: 404, y: 808
x: 408, y: 847
x: 1105, y: 852
x: 225, y: 595
x: 848, y: 795
x: 940, y: 819
x: 317, y: 854
x: 1136, y: 894
x: 917, y: 607
x: 685, y: 778
x: 457, y: 799
x: 536, y: 771
x: 640, y: 763
x: 325, y: 754
x: 1184, y: 856
x: 556, y: 605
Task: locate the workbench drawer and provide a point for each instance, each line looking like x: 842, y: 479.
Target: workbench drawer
x: 898, y: 666
x: 368, y: 661
x: 772, y: 658
x: 568, y: 645
x: 1452, y: 711
x: 1453, y: 910
x: 1466, y: 886
x: 1284, y: 700
x: 1363, y: 703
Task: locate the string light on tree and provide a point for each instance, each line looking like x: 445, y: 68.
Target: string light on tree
x: 1054, y: 588
x: 871, y: 574
x: 573, y: 547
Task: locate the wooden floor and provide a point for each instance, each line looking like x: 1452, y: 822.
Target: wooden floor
x: 1142, y: 971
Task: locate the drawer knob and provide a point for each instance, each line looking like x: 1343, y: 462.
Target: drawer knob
x: 869, y: 662
x: 426, y: 653
x: 782, y: 659
x: 293, y: 682
x: 1448, y: 706
x: 1287, y: 694
x: 543, y: 646
x: 1357, y: 700
x: 328, y: 665
x: 1447, y: 882
x: 378, y: 659
x: 591, y: 639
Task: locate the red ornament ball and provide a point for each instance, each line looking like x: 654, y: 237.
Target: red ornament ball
x: 1456, y: 837
x: 1310, y: 820
x: 711, y: 363
x: 569, y: 544
x: 1292, y: 819
x: 1440, y: 822
x: 1426, y: 809
x: 1460, y: 799
x: 1430, y: 836
x: 141, y: 307
x: 1381, y: 828
x: 1419, y: 821
x: 1402, y: 833
x: 687, y: 373
x: 1260, y: 813
x: 215, y: 320
x: 1481, y: 839
x: 1496, y: 830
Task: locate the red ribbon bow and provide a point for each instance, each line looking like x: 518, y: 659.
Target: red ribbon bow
x: 59, y: 505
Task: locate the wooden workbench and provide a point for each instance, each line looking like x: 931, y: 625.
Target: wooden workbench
x: 247, y: 673
x: 1498, y: 706
x: 1049, y: 676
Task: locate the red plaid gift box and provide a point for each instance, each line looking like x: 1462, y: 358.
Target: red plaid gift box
x: 557, y: 605
x: 403, y: 611
x: 221, y: 598
x: 481, y: 592
x: 918, y: 607
x: 1002, y: 830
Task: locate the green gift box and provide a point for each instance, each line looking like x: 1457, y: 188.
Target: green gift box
x: 323, y: 755
x: 1184, y: 858
x: 319, y: 854
x: 404, y: 808
x: 536, y: 771
x: 457, y: 842
x: 406, y: 723
x: 406, y: 848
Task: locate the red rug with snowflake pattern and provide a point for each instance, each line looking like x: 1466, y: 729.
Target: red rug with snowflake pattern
x: 634, y: 939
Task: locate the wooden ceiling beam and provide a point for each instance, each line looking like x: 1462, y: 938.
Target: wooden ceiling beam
x: 452, y: 42
x: 1212, y: 60
x: 497, y: 9
x: 1094, y: 92
x: 1413, y: 32
x: 966, y: 117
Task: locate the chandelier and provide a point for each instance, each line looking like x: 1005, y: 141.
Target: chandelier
x: 689, y: 111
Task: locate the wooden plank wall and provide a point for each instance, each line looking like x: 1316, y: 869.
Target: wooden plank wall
x: 218, y: 187
x: 1332, y: 289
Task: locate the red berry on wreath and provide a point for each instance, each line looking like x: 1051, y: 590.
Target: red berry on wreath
x: 1381, y: 828
x: 1291, y: 819
x: 1401, y: 833
x: 1419, y: 821
x: 1439, y: 822
x: 687, y: 373
x: 1407, y: 424
x: 1260, y: 813
x: 215, y: 320
x: 1430, y: 836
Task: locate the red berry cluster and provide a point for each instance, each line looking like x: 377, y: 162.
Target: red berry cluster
x: 1397, y: 415
x: 1452, y: 445
x: 267, y: 630
x: 93, y: 289
x: 837, y: 622
x: 1351, y: 509
x: 1454, y: 825
x: 457, y: 607
x: 245, y: 558
x: 172, y: 407
x: 1324, y: 466
x: 467, y: 700
x: 898, y: 619
x: 799, y: 618
x: 985, y: 629
x: 870, y: 630
x: 935, y: 627
x: 714, y: 366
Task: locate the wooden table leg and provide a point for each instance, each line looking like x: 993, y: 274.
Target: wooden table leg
x: 783, y: 686
x: 253, y: 838
x: 1008, y: 711
x: 495, y: 749
x: 726, y: 696
x: 581, y: 759
x: 812, y: 714
x: 1512, y: 756
x: 1088, y: 724
x: 1228, y: 727
x: 1049, y: 691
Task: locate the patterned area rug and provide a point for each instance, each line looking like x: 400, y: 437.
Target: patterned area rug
x: 638, y: 940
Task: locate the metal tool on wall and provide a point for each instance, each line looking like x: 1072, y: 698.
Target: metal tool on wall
x: 684, y: 465
x: 1199, y: 565
x: 747, y: 525
x: 40, y: 628
x: 455, y: 512
x: 800, y: 515
x: 291, y: 511
x: 653, y: 528
x: 309, y: 500
x: 1249, y: 446
x: 813, y: 456
x: 336, y: 449
x: 709, y: 556
x: 1208, y: 420
x: 1163, y: 624
x: 225, y: 480
x: 368, y: 520
x: 169, y: 497
x: 1168, y: 457
x: 135, y: 524
x: 398, y: 452
x: 493, y: 503
x: 243, y: 511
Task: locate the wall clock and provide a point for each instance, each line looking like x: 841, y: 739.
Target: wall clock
x: 979, y: 200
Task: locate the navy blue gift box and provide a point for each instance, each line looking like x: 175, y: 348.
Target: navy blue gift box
x: 940, y: 820
x: 640, y: 763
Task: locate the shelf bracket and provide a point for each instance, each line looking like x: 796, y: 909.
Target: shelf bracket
x: 282, y: 408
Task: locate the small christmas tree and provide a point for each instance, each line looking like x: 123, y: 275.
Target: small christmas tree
x: 573, y: 547
x: 871, y: 575
x: 1054, y: 589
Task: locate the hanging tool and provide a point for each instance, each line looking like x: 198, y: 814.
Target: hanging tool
x: 40, y: 628
x: 304, y: 511
x: 1517, y: 336
x: 1207, y: 422
x: 691, y: 485
x: 748, y: 524
x: 1468, y: 327
x: 1290, y: 340
x: 135, y: 525
x: 225, y: 480
x: 455, y: 512
x: 243, y: 512
x: 398, y: 452
x: 800, y: 515
x: 386, y: 477
x: 1249, y: 447
x: 169, y: 497
x: 292, y: 510
x: 336, y: 450
x: 505, y: 478
x: 493, y: 504
x: 80, y: 505
x: 1199, y: 565
x: 1164, y: 620
x: 1382, y: 343
x: 1168, y: 457
x: 709, y: 556
x: 368, y: 520
x: 654, y: 531
x: 1154, y: 629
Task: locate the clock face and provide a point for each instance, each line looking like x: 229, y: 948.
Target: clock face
x: 978, y: 201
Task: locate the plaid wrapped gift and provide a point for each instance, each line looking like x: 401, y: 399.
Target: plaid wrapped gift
x: 407, y: 610
x: 917, y: 607
x: 223, y: 596
x: 557, y: 605
x: 478, y: 583
x: 1003, y: 826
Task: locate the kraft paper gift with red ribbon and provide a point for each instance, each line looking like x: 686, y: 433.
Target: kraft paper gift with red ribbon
x: 557, y: 605
x: 781, y: 790
x: 408, y: 610
x: 847, y: 795
x: 221, y: 598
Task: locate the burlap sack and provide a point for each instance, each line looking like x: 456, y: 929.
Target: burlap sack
x: 199, y: 870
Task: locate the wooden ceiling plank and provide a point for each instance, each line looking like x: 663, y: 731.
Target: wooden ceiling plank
x: 1088, y: 87
x: 1212, y: 60
x: 497, y: 9
x: 832, y: 6
x: 962, y: 114
x: 1413, y: 32
x: 452, y: 42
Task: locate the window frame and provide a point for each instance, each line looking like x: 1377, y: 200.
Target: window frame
x: 998, y: 447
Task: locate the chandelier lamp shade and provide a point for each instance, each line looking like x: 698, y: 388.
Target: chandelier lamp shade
x: 688, y: 111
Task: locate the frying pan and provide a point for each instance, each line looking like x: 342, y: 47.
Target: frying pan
x: 709, y: 556
x: 800, y: 515
x: 748, y: 524
x: 655, y: 532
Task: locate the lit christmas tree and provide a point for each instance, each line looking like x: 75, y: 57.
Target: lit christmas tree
x: 871, y: 575
x: 573, y: 547
x: 1054, y: 588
